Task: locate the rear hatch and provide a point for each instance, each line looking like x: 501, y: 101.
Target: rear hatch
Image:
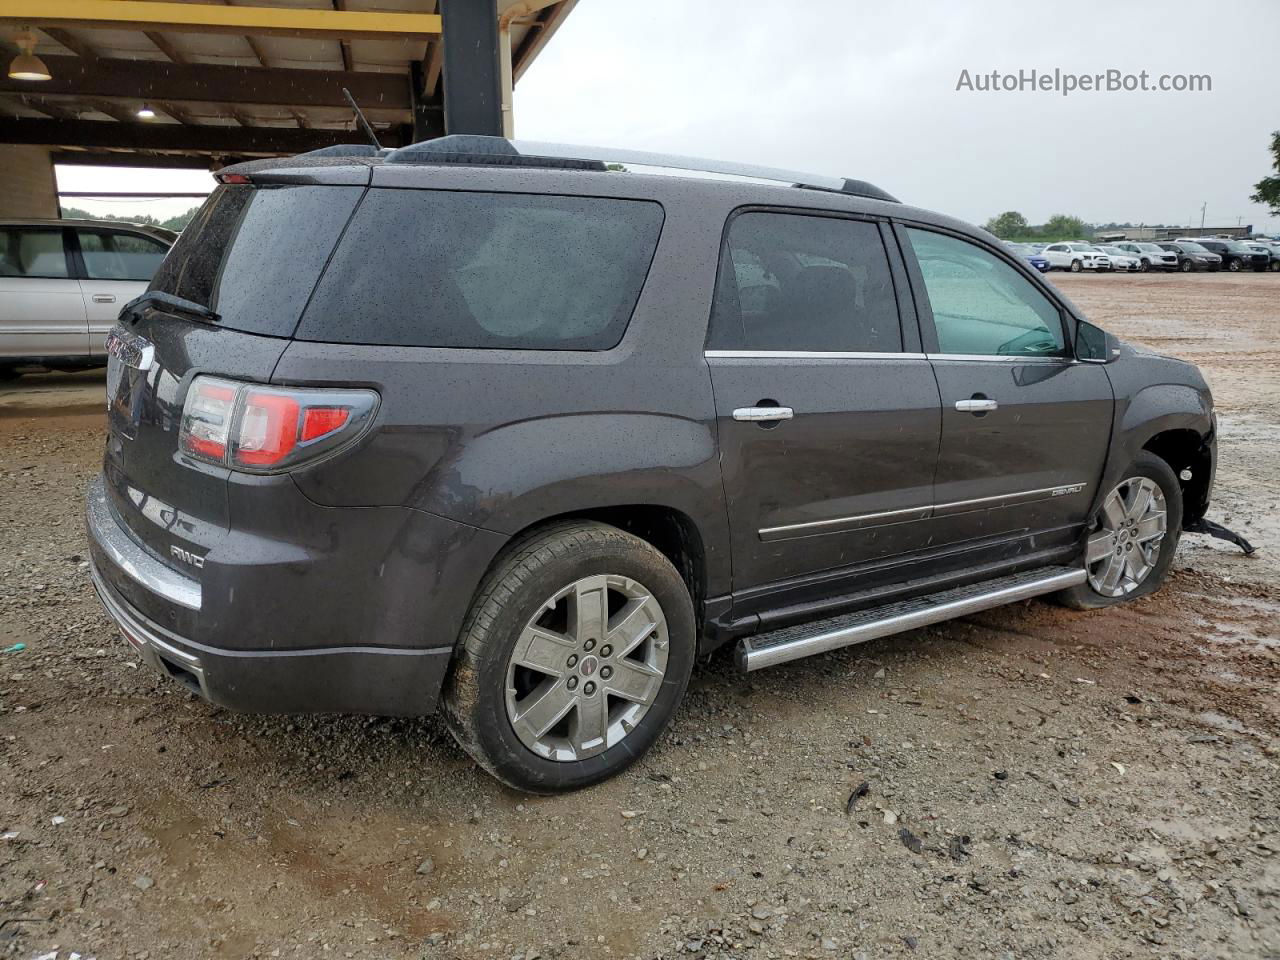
x: 251, y: 256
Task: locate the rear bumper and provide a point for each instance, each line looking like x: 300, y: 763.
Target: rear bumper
x: 342, y: 680
x: 358, y: 616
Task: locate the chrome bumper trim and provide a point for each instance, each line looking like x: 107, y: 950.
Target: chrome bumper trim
x: 150, y: 646
x: 132, y: 558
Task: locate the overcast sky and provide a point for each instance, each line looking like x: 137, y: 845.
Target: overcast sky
x: 868, y: 90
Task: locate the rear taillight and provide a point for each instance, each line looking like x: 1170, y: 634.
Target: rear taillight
x: 268, y: 429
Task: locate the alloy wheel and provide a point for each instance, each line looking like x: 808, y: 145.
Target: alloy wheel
x: 587, y: 667
x: 1125, y: 545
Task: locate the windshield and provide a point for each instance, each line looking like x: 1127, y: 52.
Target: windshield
x: 1150, y: 248
x: 1192, y: 248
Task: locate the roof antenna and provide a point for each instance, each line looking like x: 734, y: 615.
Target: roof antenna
x: 360, y: 116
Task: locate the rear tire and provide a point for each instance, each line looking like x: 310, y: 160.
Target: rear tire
x: 546, y: 692
x: 1129, y: 551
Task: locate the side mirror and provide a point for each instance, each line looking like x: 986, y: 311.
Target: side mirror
x: 1095, y: 345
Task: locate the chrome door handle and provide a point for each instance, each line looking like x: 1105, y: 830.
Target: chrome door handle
x: 976, y: 405
x: 104, y: 298
x: 763, y: 414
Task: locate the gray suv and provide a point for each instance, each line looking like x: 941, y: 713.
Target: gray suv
x: 492, y: 427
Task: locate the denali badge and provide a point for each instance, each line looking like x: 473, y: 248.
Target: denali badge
x: 186, y: 556
x: 1069, y: 488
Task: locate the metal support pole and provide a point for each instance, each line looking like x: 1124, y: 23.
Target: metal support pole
x: 472, y: 84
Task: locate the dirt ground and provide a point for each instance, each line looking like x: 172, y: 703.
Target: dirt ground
x: 1040, y: 782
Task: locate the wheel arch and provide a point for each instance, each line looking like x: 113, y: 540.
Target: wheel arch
x: 1190, y: 457
x: 672, y: 532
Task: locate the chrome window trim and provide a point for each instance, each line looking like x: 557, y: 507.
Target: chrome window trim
x: 1000, y: 358
x: 809, y: 355
x: 875, y: 355
x: 885, y: 517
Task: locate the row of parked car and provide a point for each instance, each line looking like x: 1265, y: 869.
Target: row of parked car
x: 1131, y: 256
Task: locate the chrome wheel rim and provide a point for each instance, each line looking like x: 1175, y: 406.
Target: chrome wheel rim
x: 1125, y: 544
x: 587, y: 667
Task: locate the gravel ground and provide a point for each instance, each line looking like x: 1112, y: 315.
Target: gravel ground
x: 1027, y: 782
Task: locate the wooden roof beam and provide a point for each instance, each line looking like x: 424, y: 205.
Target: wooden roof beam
x: 159, y: 15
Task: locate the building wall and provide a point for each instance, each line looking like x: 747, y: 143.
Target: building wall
x: 27, y: 187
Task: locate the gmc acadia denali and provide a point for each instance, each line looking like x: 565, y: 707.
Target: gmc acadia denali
x: 487, y: 425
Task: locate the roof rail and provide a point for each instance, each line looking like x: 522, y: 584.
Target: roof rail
x: 497, y: 150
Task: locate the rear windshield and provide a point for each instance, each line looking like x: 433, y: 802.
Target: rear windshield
x: 437, y: 268
x: 253, y: 254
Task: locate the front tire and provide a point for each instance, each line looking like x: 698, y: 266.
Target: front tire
x: 1234, y: 266
x: 1144, y: 266
x: 573, y: 658
x: 1133, y: 538
x: 1076, y: 266
x: 1186, y: 266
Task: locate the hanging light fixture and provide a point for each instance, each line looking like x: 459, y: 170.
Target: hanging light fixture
x: 145, y: 112
x: 26, y: 65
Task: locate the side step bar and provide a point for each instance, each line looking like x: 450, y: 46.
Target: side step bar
x: 806, y: 639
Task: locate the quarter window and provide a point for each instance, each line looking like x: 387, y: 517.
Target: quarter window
x: 982, y: 305
x: 433, y: 268
x: 119, y: 256
x: 796, y: 282
x: 25, y: 252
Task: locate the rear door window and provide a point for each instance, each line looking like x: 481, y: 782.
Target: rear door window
x: 432, y: 268
x: 35, y: 252
x: 253, y: 254
x: 794, y: 282
x: 113, y: 255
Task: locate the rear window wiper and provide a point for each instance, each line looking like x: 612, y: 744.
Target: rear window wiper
x: 170, y: 302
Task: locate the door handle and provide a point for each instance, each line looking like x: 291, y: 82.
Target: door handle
x: 978, y: 404
x: 104, y: 298
x: 763, y: 414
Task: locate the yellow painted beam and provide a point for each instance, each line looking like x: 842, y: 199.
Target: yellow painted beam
x: 208, y: 18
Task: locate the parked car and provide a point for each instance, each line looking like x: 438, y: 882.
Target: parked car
x: 62, y: 282
x: 509, y: 434
x: 1028, y: 254
x: 1152, y: 255
x: 1192, y: 256
x: 1270, y: 248
x: 1122, y: 259
x: 1075, y: 257
x: 1236, y: 255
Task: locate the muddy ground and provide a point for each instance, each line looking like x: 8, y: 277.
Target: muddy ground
x: 1070, y: 784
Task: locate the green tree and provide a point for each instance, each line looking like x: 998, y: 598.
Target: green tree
x: 1268, y: 188
x: 1008, y: 225
x: 1062, y: 226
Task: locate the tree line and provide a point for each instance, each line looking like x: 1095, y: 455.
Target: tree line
x: 173, y: 223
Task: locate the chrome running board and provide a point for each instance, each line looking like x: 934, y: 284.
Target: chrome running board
x: 806, y: 639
